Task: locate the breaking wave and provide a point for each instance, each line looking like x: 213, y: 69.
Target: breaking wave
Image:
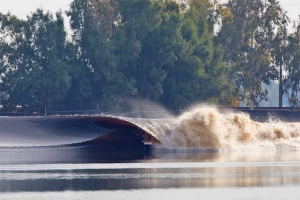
x: 201, y: 127
x: 208, y: 128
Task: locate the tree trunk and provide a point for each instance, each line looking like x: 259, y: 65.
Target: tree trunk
x: 280, y: 86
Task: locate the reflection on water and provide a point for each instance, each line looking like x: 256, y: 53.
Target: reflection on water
x: 274, y: 193
x: 253, y: 174
x: 219, y: 175
x: 246, y: 155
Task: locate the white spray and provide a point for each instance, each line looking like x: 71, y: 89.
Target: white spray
x: 206, y: 127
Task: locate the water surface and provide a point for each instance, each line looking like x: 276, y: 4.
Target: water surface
x: 259, y: 174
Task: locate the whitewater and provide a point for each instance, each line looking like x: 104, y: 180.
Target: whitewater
x: 208, y: 128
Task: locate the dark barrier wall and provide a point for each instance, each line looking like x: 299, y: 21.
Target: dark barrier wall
x: 260, y: 114
x: 264, y: 114
x: 285, y: 116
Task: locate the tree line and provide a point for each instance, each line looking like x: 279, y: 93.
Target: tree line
x: 172, y: 53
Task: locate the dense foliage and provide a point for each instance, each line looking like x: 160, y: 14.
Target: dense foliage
x: 150, y: 49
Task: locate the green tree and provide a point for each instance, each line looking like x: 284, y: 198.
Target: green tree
x: 248, y: 43
x: 140, y: 22
x: 198, y: 73
x: 36, y: 74
x: 291, y: 83
x: 95, y: 27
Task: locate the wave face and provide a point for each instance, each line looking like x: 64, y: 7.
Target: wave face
x: 203, y: 127
x: 208, y: 128
x: 47, y: 131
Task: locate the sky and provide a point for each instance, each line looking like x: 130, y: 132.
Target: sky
x: 21, y: 8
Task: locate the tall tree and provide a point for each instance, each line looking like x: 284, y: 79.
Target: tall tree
x: 198, y: 73
x: 248, y: 43
x: 95, y: 27
x: 291, y: 83
x: 140, y: 23
x: 37, y: 74
x: 12, y: 38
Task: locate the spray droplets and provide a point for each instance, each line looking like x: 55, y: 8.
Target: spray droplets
x: 206, y: 127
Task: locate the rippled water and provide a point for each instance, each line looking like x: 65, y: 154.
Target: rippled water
x: 256, y: 174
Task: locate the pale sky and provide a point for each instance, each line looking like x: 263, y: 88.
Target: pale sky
x: 21, y: 8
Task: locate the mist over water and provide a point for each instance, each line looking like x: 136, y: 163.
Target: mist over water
x: 208, y: 128
x: 138, y: 108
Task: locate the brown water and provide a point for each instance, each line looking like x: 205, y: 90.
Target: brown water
x: 206, y: 127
